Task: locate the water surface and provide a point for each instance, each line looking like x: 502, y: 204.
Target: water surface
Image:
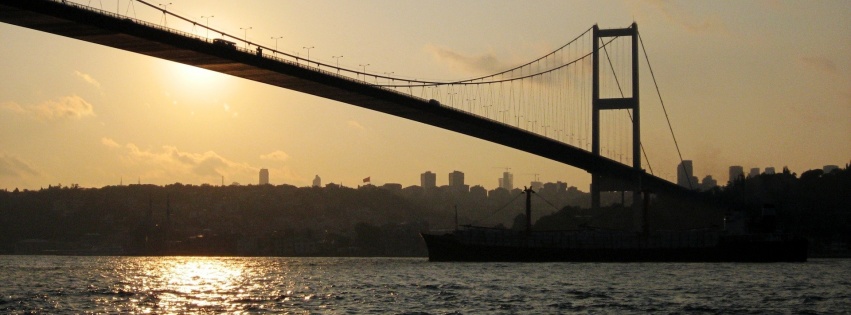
x: 72, y: 285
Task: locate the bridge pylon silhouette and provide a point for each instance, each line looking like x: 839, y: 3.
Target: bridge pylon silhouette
x: 599, y: 180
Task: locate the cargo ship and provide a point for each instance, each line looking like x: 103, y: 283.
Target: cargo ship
x: 482, y: 244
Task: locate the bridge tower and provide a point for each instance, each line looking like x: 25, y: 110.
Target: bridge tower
x: 599, y: 180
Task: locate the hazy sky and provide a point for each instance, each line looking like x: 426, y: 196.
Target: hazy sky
x: 751, y: 83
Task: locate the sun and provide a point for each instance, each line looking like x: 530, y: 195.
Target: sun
x: 195, y: 81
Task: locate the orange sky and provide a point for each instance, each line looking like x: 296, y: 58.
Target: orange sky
x: 756, y: 83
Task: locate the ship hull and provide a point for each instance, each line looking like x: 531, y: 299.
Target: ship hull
x: 447, y: 247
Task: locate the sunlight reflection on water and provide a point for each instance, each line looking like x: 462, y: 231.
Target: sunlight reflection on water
x: 195, y: 283
x: 200, y: 281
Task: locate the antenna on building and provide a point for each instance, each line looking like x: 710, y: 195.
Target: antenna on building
x: 537, y: 177
x: 507, y: 179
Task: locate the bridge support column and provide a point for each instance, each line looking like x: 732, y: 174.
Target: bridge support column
x: 595, y: 115
x: 629, y: 103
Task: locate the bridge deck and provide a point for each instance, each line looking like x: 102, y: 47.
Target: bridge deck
x: 155, y: 41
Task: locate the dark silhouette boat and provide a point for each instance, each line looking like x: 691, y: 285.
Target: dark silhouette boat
x: 481, y: 244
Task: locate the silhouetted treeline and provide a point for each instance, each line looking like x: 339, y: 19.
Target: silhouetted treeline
x: 815, y: 204
x: 208, y: 220
x: 246, y: 220
x: 381, y: 221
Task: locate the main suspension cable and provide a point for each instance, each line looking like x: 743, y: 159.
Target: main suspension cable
x: 640, y: 144
x: 671, y: 128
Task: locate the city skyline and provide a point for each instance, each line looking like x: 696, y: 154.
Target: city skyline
x: 428, y: 179
x: 739, y: 79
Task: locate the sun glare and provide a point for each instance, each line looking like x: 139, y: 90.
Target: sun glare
x: 197, y: 82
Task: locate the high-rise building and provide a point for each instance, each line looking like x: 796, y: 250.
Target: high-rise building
x: 561, y: 187
x: 507, y: 181
x: 478, y: 192
x: 428, y: 180
x: 456, y: 178
x: 554, y: 189
x: 708, y: 183
x: 456, y: 181
x: 317, y: 182
x: 536, y: 185
x: 770, y: 170
x: 685, y: 175
x: 736, y: 173
x: 264, y: 176
x: 754, y: 172
x: 829, y: 168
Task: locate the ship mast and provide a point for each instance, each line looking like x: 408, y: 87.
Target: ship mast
x: 528, y: 192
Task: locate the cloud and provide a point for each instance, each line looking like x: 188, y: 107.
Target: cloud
x: 174, y: 162
x: 485, y: 63
x: 12, y: 107
x: 820, y: 63
x: 109, y: 142
x: 64, y: 108
x: 69, y: 107
x: 88, y: 79
x: 355, y: 125
x: 278, y: 155
x: 15, y: 167
x: 169, y: 164
x: 686, y: 20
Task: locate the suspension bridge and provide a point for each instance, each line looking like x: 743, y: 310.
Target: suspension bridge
x: 577, y: 105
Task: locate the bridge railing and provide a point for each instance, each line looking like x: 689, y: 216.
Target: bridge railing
x: 292, y: 60
x: 131, y: 19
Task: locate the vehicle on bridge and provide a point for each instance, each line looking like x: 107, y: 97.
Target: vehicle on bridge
x: 224, y: 42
